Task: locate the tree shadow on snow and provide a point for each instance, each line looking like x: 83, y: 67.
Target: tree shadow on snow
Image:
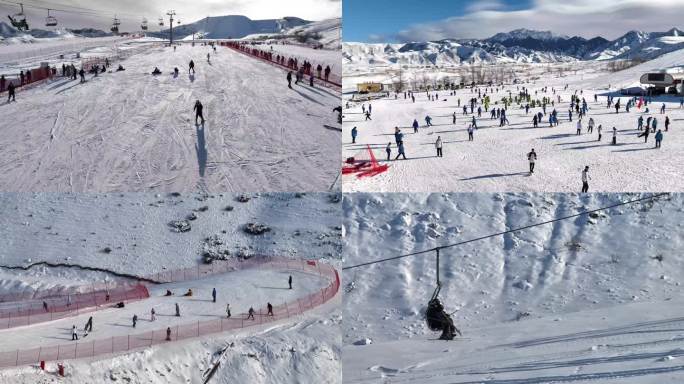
x: 307, y: 97
x: 496, y: 175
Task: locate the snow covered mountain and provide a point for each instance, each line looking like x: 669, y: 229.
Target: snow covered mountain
x: 232, y: 26
x: 520, y: 45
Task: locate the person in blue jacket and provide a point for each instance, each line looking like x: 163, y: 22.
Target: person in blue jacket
x: 415, y: 126
x: 354, y: 133
x: 658, y: 138
x: 428, y: 121
x: 400, y: 148
x: 398, y: 136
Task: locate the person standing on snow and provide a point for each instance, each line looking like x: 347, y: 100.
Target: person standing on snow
x: 270, y: 309
x: 153, y: 315
x: 599, y: 129
x: 198, y: 111
x: 213, y: 295
x: 470, y: 132
x: 585, y: 179
x: 250, y: 313
x: 532, y: 158
x: 289, y: 279
x: 354, y: 133
x: 614, y: 136
x: 438, y: 146
x: 400, y: 148
x: 289, y: 79
x: 579, y: 127
x: 74, y: 335
x: 11, y: 92
x: 398, y: 136
x: 177, y: 310
x: 667, y: 123
x: 658, y: 138
x: 191, y: 67
x: 168, y: 329
x: 415, y: 126
x: 454, y: 118
x: 227, y: 311
x: 388, y: 149
x: 135, y: 320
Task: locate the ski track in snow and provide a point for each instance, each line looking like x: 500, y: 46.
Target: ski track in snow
x: 133, y: 131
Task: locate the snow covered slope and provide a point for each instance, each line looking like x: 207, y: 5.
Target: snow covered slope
x: 593, y: 297
x: 131, y: 131
x: 74, y: 229
x: 233, y: 27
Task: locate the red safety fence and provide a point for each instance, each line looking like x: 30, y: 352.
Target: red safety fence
x: 30, y: 77
x: 288, y: 63
x: 119, y: 344
x: 22, y: 313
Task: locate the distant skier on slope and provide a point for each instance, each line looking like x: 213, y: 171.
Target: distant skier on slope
x: 198, y: 108
x: 585, y: 179
x: 250, y: 313
x: 191, y: 67
x: 532, y: 158
x: 89, y: 325
x: 228, y: 311
x: 135, y: 320
x: 289, y: 79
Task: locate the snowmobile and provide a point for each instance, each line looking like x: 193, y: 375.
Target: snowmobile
x: 436, y: 317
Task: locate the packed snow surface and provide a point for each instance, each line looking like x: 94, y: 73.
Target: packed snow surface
x: 131, y: 131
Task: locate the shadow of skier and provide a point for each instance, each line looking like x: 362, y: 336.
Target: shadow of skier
x: 201, y: 149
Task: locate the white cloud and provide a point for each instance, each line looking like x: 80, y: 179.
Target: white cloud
x: 587, y: 18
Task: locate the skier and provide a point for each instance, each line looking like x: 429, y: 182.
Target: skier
x: 585, y: 179
x: 213, y: 295
x: 428, y: 121
x: 354, y: 133
x: 289, y: 279
x: 198, y: 111
x: 153, y: 315
x: 388, y: 149
x: 532, y: 157
x: 89, y: 324
x: 289, y: 79
x: 400, y: 148
x: 168, y: 329
x: 368, y: 116
x: 658, y: 138
x: 270, y: 309
x: 191, y: 67
x: 74, y: 335
x: 135, y: 320
x: 11, y: 92
x: 250, y: 313
x: 438, y: 145
x: 177, y: 310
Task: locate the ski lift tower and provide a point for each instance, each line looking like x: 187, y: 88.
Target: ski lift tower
x: 171, y: 14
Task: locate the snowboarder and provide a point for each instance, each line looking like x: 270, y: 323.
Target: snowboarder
x: 227, y: 311
x: 74, y: 335
x: 11, y: 92
x: 213, y: 295
x: 135, y: 320
x: 585, y: 179
x: 354, y: 133
x: 289, y: 279
x: 89, y: 325
x: 289, y: 79
x: 658, y: 138
x: 191, y: 67
x: 153, y: 315
x: 438, y: 146
x: 250, y: 313
x: 168, y: 329
x: 532, y: 157
x: 177, y: 310
x: 270, y: 309
x: 198, y: 111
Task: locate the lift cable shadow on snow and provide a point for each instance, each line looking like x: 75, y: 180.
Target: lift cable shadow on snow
x: 641, y: 199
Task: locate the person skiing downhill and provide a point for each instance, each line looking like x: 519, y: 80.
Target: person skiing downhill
x: 191, y: 67
x: 585, y: 179
x: 198, y: 111
x: 532, y: 158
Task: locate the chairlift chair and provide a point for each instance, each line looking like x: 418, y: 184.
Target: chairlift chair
x: 436, y: 317
x: 161, y: 22
x: 115, y: 26
x: 50, y: 21
x: 18, y: 20
x: 143, y: 24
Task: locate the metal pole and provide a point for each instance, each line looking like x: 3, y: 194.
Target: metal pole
x: 438, y: 283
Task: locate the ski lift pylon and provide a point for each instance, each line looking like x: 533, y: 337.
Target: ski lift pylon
x: 50, y: 21
x: 115, y: 26
x: 436, y: 317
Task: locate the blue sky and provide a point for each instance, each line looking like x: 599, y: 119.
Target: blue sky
x: 367, y: 20
x: 416, y: 20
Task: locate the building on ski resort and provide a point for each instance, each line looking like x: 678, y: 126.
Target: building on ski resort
x: 369, y: 87
x: 668, y: 80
